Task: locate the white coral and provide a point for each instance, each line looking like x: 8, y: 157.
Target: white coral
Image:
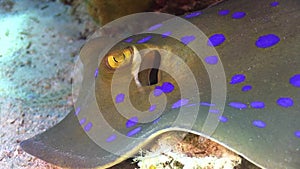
x: 171, y: 160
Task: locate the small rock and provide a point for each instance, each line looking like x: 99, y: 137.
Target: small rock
x: 9, y: 154
x: 47, y: 86
x: 11, y: 121
x: 21, y: 122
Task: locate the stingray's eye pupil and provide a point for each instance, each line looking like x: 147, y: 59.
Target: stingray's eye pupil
x: 118, y: 60
x: 115, y: 61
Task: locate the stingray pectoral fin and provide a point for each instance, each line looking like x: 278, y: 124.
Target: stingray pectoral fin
x: 67, y: 145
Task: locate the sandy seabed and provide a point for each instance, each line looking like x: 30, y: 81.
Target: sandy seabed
x: 40, y: 41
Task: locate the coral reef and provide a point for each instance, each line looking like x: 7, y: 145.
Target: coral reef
x: 179, y: 7
x: 182, y: 150
x: 105, y: 11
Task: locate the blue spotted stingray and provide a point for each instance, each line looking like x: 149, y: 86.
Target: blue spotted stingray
x: 169, y: 79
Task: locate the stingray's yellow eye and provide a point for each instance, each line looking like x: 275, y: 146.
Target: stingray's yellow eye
x: 152, y: 167
x: 119, y: 59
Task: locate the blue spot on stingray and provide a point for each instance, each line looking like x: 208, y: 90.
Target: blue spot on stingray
x: 167, y: 87
x: 285, y: 102
x: 257, y: 105
x: 132, y: 122
x: 267, y: 41
x: 216, y: 40
x: 96, y: 72
x: 246, y: 88
x: 88, y: 126
x: 187, y: 39
x: 157, y: 91
x: 207, y: 104
x: 180, y: 103
x: 128, y: 40
x: 297, y: 133
x: 223, y: 119
x: 238, y: 78
x: 77, y: 111
x: 295, y: 80
x: 111, y: 138
x: 82, y: 121
x: 152, y: 108
x: 214, y: 111
x: 156, y: 120
x: 166, y: 34
x: 194, y: 14
x: 223, y: 12
x: 212, y: 60
x: 275, y: 3
x: 120, y: 98
x: 238, y: 15
x: 146, y: 39
x: 238, y: 105
x: 134, y: 131
x: 259, y: 123
x: 154, y: 27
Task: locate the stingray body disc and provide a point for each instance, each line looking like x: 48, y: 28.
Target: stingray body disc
x: 229, y: 73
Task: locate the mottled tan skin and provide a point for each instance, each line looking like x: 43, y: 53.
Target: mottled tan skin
x: 268, y: 70
x: 104, y: 11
